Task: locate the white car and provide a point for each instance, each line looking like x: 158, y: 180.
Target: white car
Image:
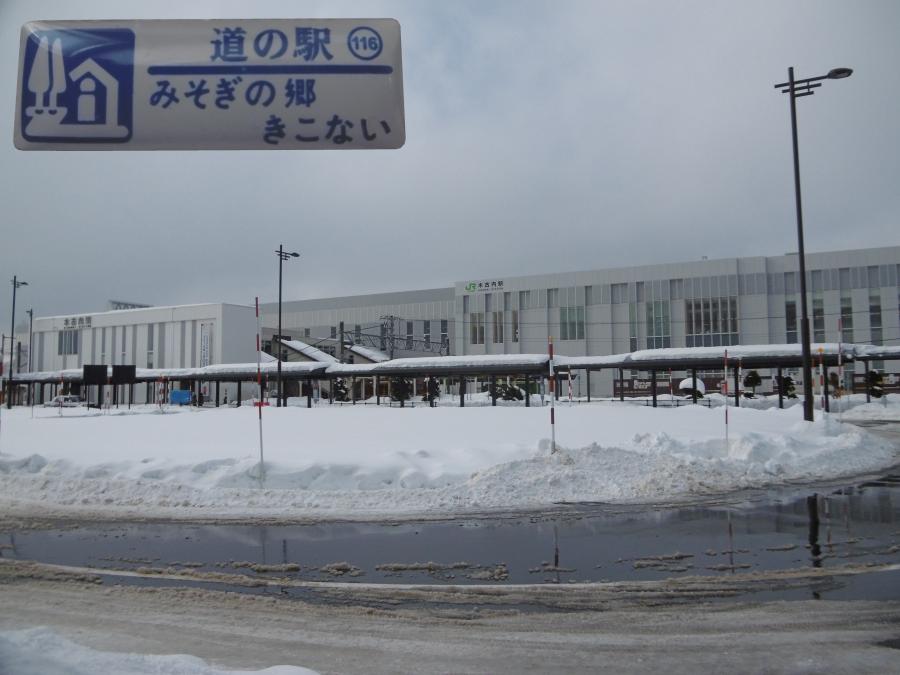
x: 64, y: 401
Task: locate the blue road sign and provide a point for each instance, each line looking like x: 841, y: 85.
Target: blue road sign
x: 77, y: 86
x: 255, y: 84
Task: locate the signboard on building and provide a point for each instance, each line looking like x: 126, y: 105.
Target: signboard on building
x: 214, y: 85
x: 484, y: 286
x: 204, y: 345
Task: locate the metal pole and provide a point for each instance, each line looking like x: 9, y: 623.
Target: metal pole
x: 12, y: 334
x: 262, y: 466
x: 553, y: 393
x: 780, y: 389
x: 278, y: 338
x: 804, y: 312
x: 30, y: 349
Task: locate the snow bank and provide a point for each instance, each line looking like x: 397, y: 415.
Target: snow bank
x: 40, y: 651
x: 370, y: 462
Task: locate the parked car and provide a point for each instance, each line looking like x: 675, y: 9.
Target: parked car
x: 64, y: 401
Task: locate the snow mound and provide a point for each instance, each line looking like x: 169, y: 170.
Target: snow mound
x: 40, y: 651
x: 370, y: 462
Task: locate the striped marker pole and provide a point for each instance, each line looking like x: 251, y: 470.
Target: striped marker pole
x: 552, y: 397
x: 821, y: 379
x: 840, y: 389
x: 570, y: 385
x: 725, y: 387
x: 262, y: 467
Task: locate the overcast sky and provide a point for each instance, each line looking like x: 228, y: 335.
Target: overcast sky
x: 541, y: 137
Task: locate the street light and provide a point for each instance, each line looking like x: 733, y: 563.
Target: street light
x: 282, y: 256
x: 12, y: 338
x: 30, y: 313
x: 796, y: 89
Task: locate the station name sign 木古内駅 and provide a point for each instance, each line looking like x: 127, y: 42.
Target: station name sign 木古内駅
x: 482, y: 286
x: 210, y: 85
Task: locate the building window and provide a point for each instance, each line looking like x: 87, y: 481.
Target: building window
x: 846, y: 319
x: 571, y: 323
x: 67, y: 342
x: 711, y: 322
x: 818, y: 317
x: 445, y: 337
x: 409, y: 334
x: 552, y: 297
x: 875, y: 315
x: 619, y: 293
x: 515, y: 325
x: 306, y: 332
x: 658, y: 331
x: 790, y: 321
x: 476, y: 328
x: 632, y: 327
x: 497, y: 337
x: 334, y: 332
x: 426, y: 331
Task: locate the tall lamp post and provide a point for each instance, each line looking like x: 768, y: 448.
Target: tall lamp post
x: 282, y: 256
x: 12, y: 338
x: 30, y: 313
x: 796, y: 89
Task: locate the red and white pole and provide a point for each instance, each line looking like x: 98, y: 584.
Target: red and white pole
x: 570, y: 385
x: 725, y: 388
x: 821, y: 379
x: 840, y: 389
x: 552, y: 397
x: 259, y: 388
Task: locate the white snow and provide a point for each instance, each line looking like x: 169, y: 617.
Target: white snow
x: 370, y: 462
x: 310, y: 352
x: 41, y: 651
x: 370, y: 354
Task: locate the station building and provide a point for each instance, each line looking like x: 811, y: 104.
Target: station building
x: 184, y: 336
x: 853, y: 297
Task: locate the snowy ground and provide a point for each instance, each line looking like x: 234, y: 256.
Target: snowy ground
x: 667, y: 626
x: 368, y: 462
x: 41, y: 651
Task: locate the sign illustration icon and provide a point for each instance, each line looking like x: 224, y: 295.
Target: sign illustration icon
x: 78, y: 86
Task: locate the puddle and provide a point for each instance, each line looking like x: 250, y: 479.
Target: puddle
x: 784, y: 529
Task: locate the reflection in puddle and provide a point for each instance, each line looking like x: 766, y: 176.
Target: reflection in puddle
x: 773, y: 532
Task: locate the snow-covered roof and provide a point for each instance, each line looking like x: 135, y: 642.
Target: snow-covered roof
x: 368, y: 353
x: 644, y: 358
x: 310, y: 352
x: 676, y: 358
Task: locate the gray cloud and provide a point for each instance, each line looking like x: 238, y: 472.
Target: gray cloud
x: 540, y: 137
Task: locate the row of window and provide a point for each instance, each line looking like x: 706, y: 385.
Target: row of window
x: 726, y: 285
x: 845, y: 320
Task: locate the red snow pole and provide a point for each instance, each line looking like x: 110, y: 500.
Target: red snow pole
x: 552, y: 397
x: 259, y: 388
x: 726, y: 399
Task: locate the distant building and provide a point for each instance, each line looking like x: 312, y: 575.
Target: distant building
x: 184, y: 336
x: 752, y: 300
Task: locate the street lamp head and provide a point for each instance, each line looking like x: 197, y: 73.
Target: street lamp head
x: 839, y: 73
x: 295, y: 255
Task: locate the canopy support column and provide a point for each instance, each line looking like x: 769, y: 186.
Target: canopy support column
x: 780, y: 389
x: 653, y: 386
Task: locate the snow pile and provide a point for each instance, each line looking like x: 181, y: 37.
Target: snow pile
x: 40, y: 651
x: 370, y: 462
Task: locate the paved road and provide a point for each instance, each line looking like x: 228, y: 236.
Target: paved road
x: 633, y: 632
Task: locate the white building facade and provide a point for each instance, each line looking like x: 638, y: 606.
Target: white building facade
x: 184, y: 336
x: 853, y: 296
